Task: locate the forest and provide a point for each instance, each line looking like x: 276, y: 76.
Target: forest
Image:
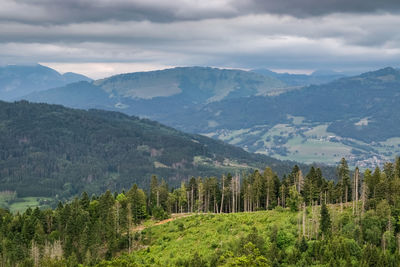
x: 53, y: 151
x: 298, y: 220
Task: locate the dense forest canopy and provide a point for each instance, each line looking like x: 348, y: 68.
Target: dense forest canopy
x: 358, y: 216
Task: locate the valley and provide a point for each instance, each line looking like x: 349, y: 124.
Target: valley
x: 353, y: 116
x: 309, y: 143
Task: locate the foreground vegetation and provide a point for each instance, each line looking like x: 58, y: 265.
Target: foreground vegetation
x: 361, y: 227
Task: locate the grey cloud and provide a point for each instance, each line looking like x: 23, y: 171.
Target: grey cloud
x: 77, y: 11
x: 305, y: 8
x: 225, y: 33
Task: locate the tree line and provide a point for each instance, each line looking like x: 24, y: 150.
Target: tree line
x: 88, y: 229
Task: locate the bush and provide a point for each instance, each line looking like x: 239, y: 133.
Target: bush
x: 160, y: 214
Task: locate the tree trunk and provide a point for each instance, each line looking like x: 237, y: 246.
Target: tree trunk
x: 357, y: 175
x: 191, y: 203
x: 223, y: 193
x: 304, y: 219
x: 233, y: 194
x: 363, y: 197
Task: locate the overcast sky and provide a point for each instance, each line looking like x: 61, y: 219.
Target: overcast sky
x: 103, y: 37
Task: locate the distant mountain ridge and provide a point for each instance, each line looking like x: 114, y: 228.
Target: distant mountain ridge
x: 20, y: 80
x: 161, y: 94
x: 202, y: 84
x: 317, y: 77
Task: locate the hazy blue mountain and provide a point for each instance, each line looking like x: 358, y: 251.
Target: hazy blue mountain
x: 76, y: 95
x: 18, y: 80
x: 317, y: 77
x: 72, y: 77
x: 195, y: 84
x: 161, y: 94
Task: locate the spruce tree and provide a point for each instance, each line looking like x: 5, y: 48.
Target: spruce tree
x: 344, y: 177
x: 325, y: 222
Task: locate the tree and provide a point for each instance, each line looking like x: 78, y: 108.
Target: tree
x: 269, y: 186
x: 137, y: 200
x: 397, y: 168
x: 325, y: 221
x: 295, y: 199
x: 344, y: 178
x: 355, y: 190
x: 154, y: 192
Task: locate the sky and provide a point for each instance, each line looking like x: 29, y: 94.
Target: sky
x: 99, y: 38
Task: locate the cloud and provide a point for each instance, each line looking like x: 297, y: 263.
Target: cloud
x: 306, y: 8
x: 103, y: 69
x: 78, y: 11
x: 151, y: 34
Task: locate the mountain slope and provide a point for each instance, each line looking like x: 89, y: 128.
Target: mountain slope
x: 200, y: 84
x: 356, y: 117
x: 317, y: 77
x: 48, y: 150
x: 16, y: 80
x: 161, y: 94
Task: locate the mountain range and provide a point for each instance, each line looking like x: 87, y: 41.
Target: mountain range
x: 354, y: 117
x: 18, y: 80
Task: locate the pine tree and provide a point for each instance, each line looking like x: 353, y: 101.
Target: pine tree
x: 344, y: 177
x: 325, y: 221
x: 397, y: 168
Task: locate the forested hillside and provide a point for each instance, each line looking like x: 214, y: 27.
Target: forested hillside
x: 49, y: 150
x: 310, y: 222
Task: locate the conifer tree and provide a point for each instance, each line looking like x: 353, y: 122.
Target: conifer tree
x: 344, y: 177
x: 325, y: 221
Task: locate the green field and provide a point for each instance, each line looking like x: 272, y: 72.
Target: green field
x: 308, y: 143
x: 15, y: 204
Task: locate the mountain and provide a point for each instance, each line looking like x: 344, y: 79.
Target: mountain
x: 355, y: 116
x: 317, y: 77
x: 193, y: 84
x: 17, y: 80
x: 163, y: 94
x: 49, y: 150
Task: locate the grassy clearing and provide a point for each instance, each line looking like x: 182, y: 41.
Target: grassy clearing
x: 15, y: 204
x: 206, y: 234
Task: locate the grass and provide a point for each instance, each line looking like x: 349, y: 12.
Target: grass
x: 206, y: 234
x: 314, y: 144
x: 15, y: 204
